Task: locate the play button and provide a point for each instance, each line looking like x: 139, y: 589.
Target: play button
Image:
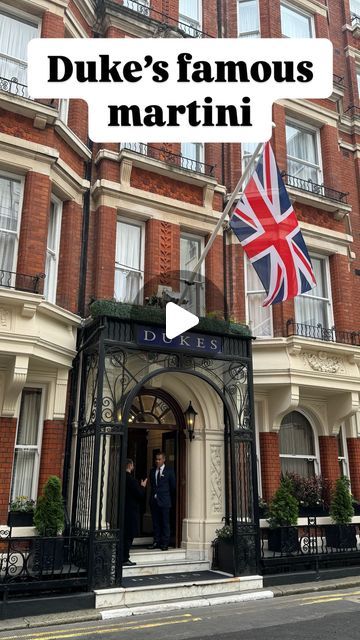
x: 178, y: 320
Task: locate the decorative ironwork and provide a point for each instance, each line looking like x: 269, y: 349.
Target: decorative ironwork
x: 22, y: 282
x: 13, y: 86
x: 338, y: 79
x: 316, y: 189
x: 175, y: 159
x: 319, y: 332
x: 353, y: 111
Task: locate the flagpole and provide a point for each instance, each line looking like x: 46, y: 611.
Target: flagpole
x: 221, y: 220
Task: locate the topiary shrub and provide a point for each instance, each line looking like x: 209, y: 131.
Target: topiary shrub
x: 49, y: 511
x: 283, y: 508
x: 341, y: 507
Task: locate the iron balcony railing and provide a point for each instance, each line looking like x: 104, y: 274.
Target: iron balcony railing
x: 353, y: 111
x: 319, y: 332
x: 338, y: 79
x: 175, y: 159
x: 13, y: 76
x: 22, y: 281
x: 315, y: 189
x: 145, y: 11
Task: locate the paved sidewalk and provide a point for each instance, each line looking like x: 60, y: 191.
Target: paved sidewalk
x: 87, y: 615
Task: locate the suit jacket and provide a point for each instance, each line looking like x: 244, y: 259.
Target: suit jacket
x: 165, y: 489
x: 134, y: 494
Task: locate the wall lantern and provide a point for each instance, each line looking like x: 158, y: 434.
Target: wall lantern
x: 190, y: 417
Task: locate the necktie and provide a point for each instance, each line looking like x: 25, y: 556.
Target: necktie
x: 157, y: 476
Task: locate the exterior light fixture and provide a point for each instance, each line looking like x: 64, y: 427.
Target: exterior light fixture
x: 190, y: 417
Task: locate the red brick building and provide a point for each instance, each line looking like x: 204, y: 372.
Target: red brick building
x: 105, y: 221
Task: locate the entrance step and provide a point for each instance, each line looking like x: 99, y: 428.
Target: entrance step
x: 175, y: 586
x: 143, y: 556
x: 158, y: 568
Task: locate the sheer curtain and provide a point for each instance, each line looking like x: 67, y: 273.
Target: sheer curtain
x: 314, y: 307
x: 296, y: 438
x: 248, y: 18
x: 193, y: 151
x: 190, y: 250
x: 15, y: 34
x: 260, y: 318
x: 294, y: 24
x: 51, y: 253
x: 301, y: 146
x: 10, y: 191
x: 27, y: 445
x: 355, y: 7
x: 128, y: 262
x: 190, y: 9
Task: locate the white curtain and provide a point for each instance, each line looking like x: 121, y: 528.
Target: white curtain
x: 294, y: 24
x: 355, y: 7
x: 260, y: 318
x: 192, y: 151
x: 15, y: 35
x: 301, y: 144
x: 313, y: 307
x: 190, y: 9
x: 128, y: 262
x: 296, y: 438
x: 51, y: 255
x: 248, y: 18
x: 10, y: 191
x: 190, y: 249
x: 27, y: 435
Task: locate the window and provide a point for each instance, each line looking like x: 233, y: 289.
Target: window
x: 315, y: 307
x: 129, y: 263
x: 342, y: 453
x: 303, y: 152
x: 295, y: 23
x: 190, y: 17
x: 192, y: 156
x: 64, y: 110
x: 15, y: 34
x: 52, y: 250
x: 141, y: 6
x: 297, y: 445
x: 259, y: 318
x: 248, y: 19
x: 355, y: 7
x: 358, y: 82
x: 10, y: 208
x: 27, y: 447
x: 191, y: 247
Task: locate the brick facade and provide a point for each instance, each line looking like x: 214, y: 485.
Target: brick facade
x: 7, y: 444
x: 270, y: 463
x: 329, y: 462
x: 52, y: 451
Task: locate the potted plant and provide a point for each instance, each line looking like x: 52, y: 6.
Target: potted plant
x: 342, y: 534
x: 311, y: 494
x: 49, y: 520
x: 282, y: 517
x: 225, y: 549
x: 21, y: 512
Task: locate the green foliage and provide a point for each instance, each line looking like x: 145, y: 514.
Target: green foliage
x: 49, y: 511
x: 284, y: 507
x: 225, y: 533
x: 23, y: 504
x: 341, y: 507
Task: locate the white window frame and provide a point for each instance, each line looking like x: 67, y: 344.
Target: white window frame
x: 38, y: 447
x: 248, y: 34
x: 51, y: 284
x: 119, y: 267
x: 330, y: 312
x: 301, y: 12
x: 20, y: 179
x: 344, y: 459
x: 247, y: 294
x: 21, y: 16
x: 314, y: 458
x: 199, y: 162
x: 311, y: 129
x: 190, y: 22
x: 201, y: 303
x: 64, y: 104
x: 358, y: 80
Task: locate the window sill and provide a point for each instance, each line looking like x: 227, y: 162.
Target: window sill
x: 338, y: 209
x: 41, y: 114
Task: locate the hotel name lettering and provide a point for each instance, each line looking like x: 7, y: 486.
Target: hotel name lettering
x: 156, y: 337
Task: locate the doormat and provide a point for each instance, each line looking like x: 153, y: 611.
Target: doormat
x: 172, y: 578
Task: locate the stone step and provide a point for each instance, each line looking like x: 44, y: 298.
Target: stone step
x: 217, y: 585
x: 151, y: 568
x: 146, y: 556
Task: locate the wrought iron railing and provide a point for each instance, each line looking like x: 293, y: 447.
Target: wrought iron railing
x: 175, y: 159
x: 165, y: 22
x: 318, y: 332
x: 338, y: 79
x: 311, y: 546
x: 22, y: 281
x: 314, y: 188
x: 13, y: 76
x: 353, y: 111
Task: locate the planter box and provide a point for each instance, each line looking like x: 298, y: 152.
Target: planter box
x: 20, y: 518
x: 283, y: 540
x: 46, y: 555
x: 225, y: 555
x: 341, y: 536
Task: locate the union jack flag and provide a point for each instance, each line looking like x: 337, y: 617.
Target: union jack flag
x: 266, y: 225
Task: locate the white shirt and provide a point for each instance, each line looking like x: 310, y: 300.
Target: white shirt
x: 158, y: 472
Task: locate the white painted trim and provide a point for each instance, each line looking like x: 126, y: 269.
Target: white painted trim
x: 58, y: 217
x: 299, y: 124
x: 248, y: 320
x: 316, y: 456
x: 239, y: 34
x: 20, y: 179
x: 141, y: 225
x: 292, y: 6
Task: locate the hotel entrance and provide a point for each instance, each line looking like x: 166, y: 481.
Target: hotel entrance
x: 156, y: 423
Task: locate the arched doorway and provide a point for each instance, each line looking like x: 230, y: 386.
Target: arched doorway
x: 156, y: 423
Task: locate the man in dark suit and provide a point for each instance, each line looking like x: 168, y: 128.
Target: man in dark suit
x: 162, y: 483
x: 134, y: 494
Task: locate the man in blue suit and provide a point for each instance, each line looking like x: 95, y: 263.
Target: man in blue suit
x: 162, y: 485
